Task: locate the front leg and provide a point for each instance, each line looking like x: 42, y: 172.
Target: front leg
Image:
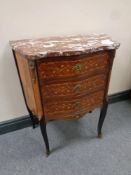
x: 102, y: 117
x: 34, y: 120
x: 44, y: 134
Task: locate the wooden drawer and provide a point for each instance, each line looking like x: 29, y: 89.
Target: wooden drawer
x: 74, y: 88
x: 69, y: 116
x: 73, y: 66
x: 61, y: 109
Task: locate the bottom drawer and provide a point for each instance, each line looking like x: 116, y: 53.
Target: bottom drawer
x: 71, y: 109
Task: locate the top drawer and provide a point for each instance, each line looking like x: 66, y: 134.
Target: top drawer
x: 73, y: 66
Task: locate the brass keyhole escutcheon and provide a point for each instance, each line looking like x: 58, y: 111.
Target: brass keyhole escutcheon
x: 77, y: 67
x: 77, y: 105
x: 77, y: 88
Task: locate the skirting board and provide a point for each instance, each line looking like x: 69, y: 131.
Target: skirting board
x: 23, y: 122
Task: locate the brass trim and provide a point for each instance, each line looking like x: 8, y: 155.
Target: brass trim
x: 32, y: 69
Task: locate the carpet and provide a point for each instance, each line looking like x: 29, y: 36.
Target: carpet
x: 75, y: 149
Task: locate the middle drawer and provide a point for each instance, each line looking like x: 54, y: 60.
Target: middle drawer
x: 74, y: 88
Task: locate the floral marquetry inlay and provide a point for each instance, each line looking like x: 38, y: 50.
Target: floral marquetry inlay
x: 71, y: 106
x: 67, y: 68
x: 74, y: 88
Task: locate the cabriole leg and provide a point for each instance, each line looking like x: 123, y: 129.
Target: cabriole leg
x: 102, y: 117
x: 44, y: 134
x: 34, y: 120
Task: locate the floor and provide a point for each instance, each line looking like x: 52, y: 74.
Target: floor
x: 75, y: 148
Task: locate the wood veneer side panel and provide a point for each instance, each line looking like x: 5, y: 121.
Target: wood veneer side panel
x: 30, y: 89
x: 111, y: 54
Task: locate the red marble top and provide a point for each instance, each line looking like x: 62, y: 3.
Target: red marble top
x: 63, y: 46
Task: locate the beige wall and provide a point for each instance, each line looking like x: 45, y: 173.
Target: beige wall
x: 29, y: 18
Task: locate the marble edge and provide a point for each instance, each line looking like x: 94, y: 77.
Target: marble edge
x: 115, y: 46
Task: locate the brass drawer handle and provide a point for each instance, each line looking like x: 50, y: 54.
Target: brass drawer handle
x: 77, y: 88
x: 77, y: 67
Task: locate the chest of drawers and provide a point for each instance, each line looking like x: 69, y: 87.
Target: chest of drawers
x: 63, y: 78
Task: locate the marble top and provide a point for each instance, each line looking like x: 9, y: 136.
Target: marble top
x: 63, y: 46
